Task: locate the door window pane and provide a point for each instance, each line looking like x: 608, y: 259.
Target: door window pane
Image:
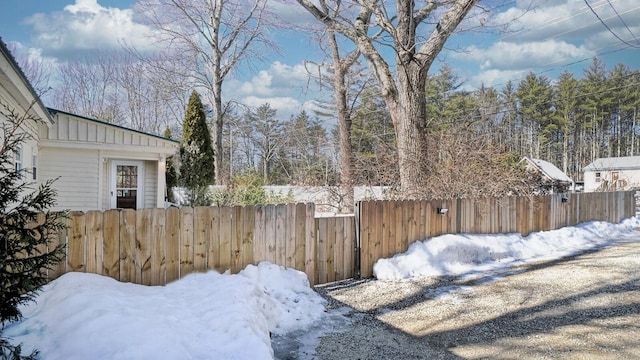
x: 126, y: 186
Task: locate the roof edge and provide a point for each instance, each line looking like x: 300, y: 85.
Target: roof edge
x: 16, y: 67
x: 56, y: 111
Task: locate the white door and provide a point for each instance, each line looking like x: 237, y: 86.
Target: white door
x: 126, y: 184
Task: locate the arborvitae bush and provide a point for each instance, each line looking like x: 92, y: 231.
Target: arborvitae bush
x: 26, y: 226
x: 196, y: 154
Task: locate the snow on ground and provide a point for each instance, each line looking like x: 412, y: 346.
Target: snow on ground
x: 201, y: 316
x: 468, y: 254
x: 223, y: 316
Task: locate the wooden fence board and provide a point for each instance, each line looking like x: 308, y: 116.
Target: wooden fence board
x: 321, y: 226
x: 349, y: 247
x: 75, y: 257
x: 331, y: 245
x: 202, y: 237
x: 398, y: 243
x: 387, y: 224
x: 213, y: 248
x: 173, y: 244
x: 127, y: 245
x: 310, y: 245
x: 236, y: 240
x: 339, y: 249
x: 259, y: 235
x: 111, y: 255
x: 452, y: 212
x: 301, y: 216
x: 248, y: 220
x: 158, y: 249
x: 290, y: 236
x: 270, y: 232
x: 186, y: 241
x: 408, y: 220
x: 56, y: 239
x: 144, y: 224
x: 93, y: 241
x: 226, y: 222
x: 365, y: 250
x: 280, y: 234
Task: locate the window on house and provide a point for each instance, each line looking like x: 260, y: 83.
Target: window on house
x: 614, y: 176
x: 18, y: 159
x: 598, y: 177
x: 34, y: 164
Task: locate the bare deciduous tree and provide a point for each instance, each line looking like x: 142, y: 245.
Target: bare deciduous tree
x: 37, y: 69
x: 116, y: 87
x: 89, y: 87
x: 416, y: 33
x: 213, y: 37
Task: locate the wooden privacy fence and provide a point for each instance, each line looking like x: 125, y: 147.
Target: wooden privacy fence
x: 386, y: 228
x: 157, y: 246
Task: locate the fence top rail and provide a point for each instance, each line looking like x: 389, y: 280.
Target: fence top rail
x: 255, y: 206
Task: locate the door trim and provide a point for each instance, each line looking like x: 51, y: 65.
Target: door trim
x: 112, y: 182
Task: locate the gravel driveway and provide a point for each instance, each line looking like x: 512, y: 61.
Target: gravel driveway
x: 582, y: 307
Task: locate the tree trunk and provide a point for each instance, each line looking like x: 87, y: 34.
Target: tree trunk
x: 405, y: 94
x: 408, y: 112
x: 216, y: 132
x: 344, y: 127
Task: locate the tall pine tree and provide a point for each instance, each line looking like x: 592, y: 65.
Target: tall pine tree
x: 196, y: 153
x: 25, y: 229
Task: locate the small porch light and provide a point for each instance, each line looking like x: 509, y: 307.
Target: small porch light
x: 565, y: 199
x: 442, y: 211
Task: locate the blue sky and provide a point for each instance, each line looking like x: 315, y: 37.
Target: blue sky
x: 552, y: 36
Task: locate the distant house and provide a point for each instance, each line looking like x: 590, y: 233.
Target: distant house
x: 610, y: 174
x: 97, y: 165
x: 553, y: 180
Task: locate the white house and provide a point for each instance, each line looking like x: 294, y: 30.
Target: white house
x: 553, y: 179
x: 17, y: 97
x: 97, y: 165
x: 610, y: 174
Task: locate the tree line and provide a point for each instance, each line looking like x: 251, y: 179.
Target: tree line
x: 390, y: 121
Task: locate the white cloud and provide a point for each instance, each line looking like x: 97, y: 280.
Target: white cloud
x: 282, y: 104
x: 494, y: 78
x: 285, y: 87
x: 570, y: 20
x: 510, y: 55
x: 86, y: 25
x: 279, y: 78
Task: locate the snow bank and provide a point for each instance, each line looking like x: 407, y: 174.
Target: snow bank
x: 202, y: 316
x: 466, y: 253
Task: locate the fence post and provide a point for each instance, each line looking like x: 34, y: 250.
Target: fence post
x: 356, y: 248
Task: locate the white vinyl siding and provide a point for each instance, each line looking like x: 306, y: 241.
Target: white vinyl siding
x: 150, y: 183
x: 78, y: 129
x: 77, y: 137
x: 77, y: 173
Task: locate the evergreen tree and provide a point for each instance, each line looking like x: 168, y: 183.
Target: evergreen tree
x: 25, y: 229
x: 535, y: 94
x: 171, y: 176
x: 268, y: 137
x: 566, y: 105
x: 196, y: 153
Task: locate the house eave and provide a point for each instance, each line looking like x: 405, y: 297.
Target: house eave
x: 25, y: 89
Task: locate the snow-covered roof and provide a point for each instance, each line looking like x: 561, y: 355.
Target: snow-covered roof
x: 548, y: 170
x: 614, y: 163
